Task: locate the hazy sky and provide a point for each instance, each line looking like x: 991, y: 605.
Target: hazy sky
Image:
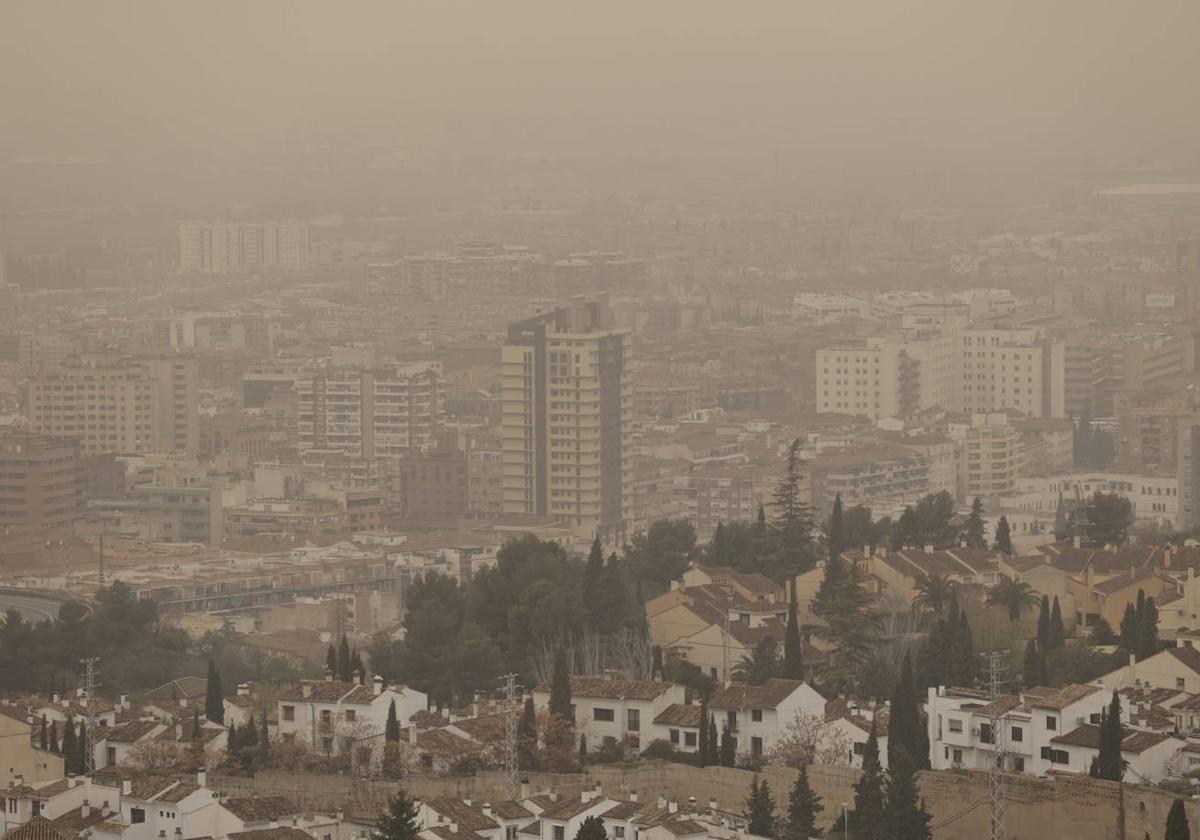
x: 880, y: 80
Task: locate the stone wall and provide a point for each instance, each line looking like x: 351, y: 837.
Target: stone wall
x: 1065, y: 807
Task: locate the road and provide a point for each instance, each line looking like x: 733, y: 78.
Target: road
x: 34, y: 609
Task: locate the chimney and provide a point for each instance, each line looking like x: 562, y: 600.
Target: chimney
x: 487, y: 809
x: 662, y: 802
x: 162, y: 834
x: 178, y: 731
x: 126, y: 787
x: 1132, y: 572
x: 85, y: 810
x: 1077, y: 541
x: 633, y: 796
x: 202, y: 778
x: 866, y: 549
x: 328, y: 675
x: 585, y: 795
x: 412, y: 734
x: 525, y: 789
x: 178, y: 833
x: 1167, y: 556
x: 306, y: 689
x: 1191, y: 572
x: 454, y: 828
x: 243, y: 690
x: 467, y: 802
x: 712, y: 804
x: 929, y: 548
x: 340, y: 815
x: 377, y: 685
x: 71, y: 780
x: 672, y: 807
x: 124, y: 701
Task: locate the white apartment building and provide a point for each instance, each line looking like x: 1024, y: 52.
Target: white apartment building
x: 370, y: 413
x: 335, y: 717
x: 826, y: 308
x: 1154, y: 498
x: 623, y: 710
x: 937, y: 360
x: 242, y: 248
x: 567, y: 419
x: 1044, y: 729
x: 990, y: 458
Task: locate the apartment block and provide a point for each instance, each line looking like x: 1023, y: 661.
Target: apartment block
x: 867, y: 475
x: 368, y: 413
x: 242, y: 248
x: 112, y: 403
x: 39, y: 488
x: 567, y: 391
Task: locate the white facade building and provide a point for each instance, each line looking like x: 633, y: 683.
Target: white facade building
x: 623, y: 710
x: 333, y: 716
x: 758, y: 716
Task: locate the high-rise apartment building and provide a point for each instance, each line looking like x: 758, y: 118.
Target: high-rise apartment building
x: 242, y: 248
x: 112, y: 403
x: 370, y: 413
x: 39, y: 488
x: 567, y: 397
x: 944, y: 363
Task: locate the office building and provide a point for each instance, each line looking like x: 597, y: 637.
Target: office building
x: 567, y: 406
x: 369, y: 413
x: 242, y: 248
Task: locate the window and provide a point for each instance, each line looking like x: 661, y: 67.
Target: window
x: 603, y: 714
x: 1055, y: 756
x: 619, y: 831
x: 957, y: 756
x: 674, y: 733
x: 634, y: 720
x: 110, y: 755
x: 351, y: 715
x: 1018, y: 763
x: 1179, y: 683
x: 756, y: 715
x: 327, y: 745
x: 955, y: 725
x: 559, y: 832
x: 731, y: 721
x: 12, y: 806
x: 689, y: 739
x: 985, y: 733
x: 756, y: 747
x: 137, y: 815
x: 1016, y: 734
x: 1052, y: 723
x: 289, y: 712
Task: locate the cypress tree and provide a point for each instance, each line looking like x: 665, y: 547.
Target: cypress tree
x: 248, y: 735
x: 974, y: 531
x: 331, y: 663
x: 702, y: 745
x: 868, y: 791
x: 582, y: 745
x: 264, y: 744
x: 961, y: 667
x: 922, y: 759
x: 1147, y: 640
x: 359, y: 669
x: 1034, y: 670
x: 81, y: 748
x: 1129, y: 630
x: 526, y: 728
x: 728, y: 755
x: 70, y: 747
x: 214, y: 697
x: 837, y: 528
x: 760, y: 809
x: 656, y: 663
x: 1109, y: 763
x: 1003, y: 536
x: 593, y: 573
x: 714, y: 742
x: 1056, y: 636
x: 904, y: 815
x: 54, y: 736
x: 233, y: 739
x: 195, y: 727
x: 793, y: 645
x: 391, y: 729
x: 1177, y: 824
x: 904, y: 723
x: 802, y: 810
x: 560, y: 687
x: 345, y: 665
x: 1043, y: 625
x: 44, y: 738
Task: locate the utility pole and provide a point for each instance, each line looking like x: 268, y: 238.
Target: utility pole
x: 996, y: 771
x: 89, y: 747
x: 511, y: 769
x: 725, y: 651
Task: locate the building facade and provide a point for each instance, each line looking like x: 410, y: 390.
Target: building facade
x: 242, y: 248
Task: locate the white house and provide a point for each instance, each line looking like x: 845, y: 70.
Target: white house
x: 1149, y: 757
x: 1176, y: 668
x: 757, y: 716
x: 623, y: 710
x: 333, y: 716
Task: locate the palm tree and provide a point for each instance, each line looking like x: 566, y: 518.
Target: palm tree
x: 759, y: 665
x: 1016, y: 597
x: 934, y: 592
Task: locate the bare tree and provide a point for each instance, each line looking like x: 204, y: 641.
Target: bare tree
x: 807, y: 740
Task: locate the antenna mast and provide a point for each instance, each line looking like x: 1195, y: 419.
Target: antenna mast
x: 89, y: 749
x: 999, y: 742
x: 511, y: 768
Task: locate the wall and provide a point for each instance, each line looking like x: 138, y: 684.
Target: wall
x: 1065, y: 808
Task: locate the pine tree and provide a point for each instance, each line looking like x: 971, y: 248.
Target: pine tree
x: 802, y: 810
x: 214, y: 697
x: 1147, y: 642
x: 1056, y: 636
x: 54, y: 736
x: 1177, y: 824
x: 904, y: 815
x: 974, y: 531
x: 345, y: 666
x: 560, y: 687
x: 868, y: 791
x: 793, y: 645
x: 714, y: 742
x: 905, y: 722
x: 391, y: 729
x: 728, y: 756
x: 1109, y: 764
x: 1003, y: 536
x: 44, y: 738
x: 399, y: 821
x: 592, y: 829
x: 702, y: 745
x: 70, y: 746
x: 760, y: 809
x: 1043, y: 625
x: 837, y: 528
